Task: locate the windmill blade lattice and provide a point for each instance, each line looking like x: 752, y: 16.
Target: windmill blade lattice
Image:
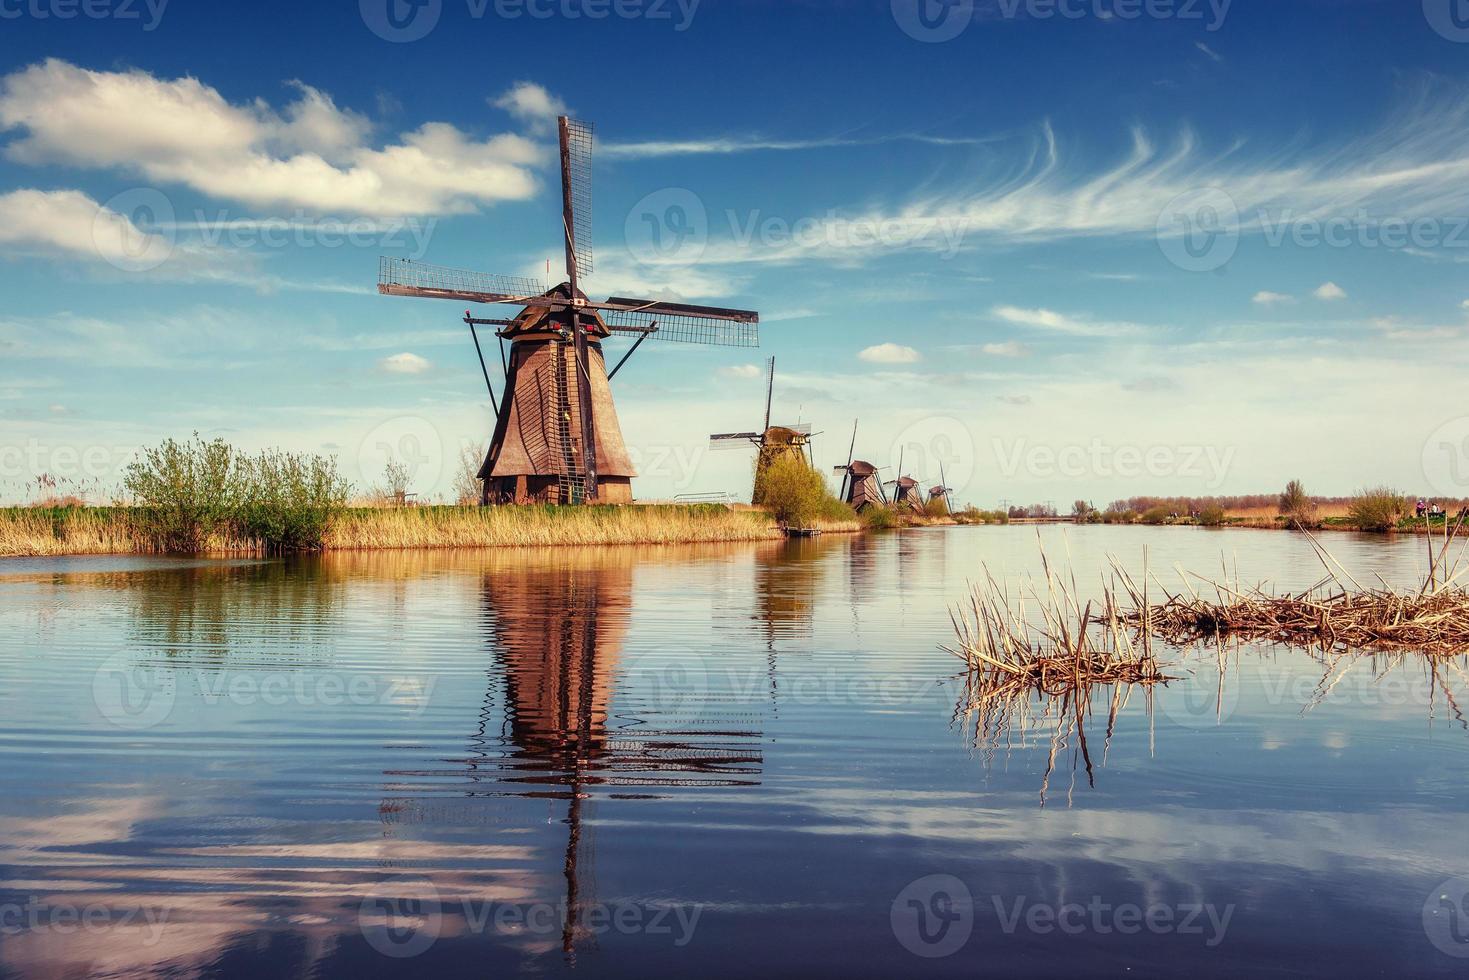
x: 680, y: 328
x: 404, y: 277
x: 579, y: 173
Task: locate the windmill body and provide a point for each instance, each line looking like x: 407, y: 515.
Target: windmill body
x: 906, y: 494
x: 863, y: 489
x: 557, y: 438
x: 535, y: 454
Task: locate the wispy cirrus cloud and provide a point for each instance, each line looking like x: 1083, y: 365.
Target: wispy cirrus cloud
x: 1076, y: 326
x: 1413, y: 165
x: 729, y: 145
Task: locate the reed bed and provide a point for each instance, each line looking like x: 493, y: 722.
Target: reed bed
x: 29, y: 531
x: 1335, y: 613
x: 1070, y: 646
x: 495, y: 527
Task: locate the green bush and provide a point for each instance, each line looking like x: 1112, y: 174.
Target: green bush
x: 1296, y: 506
x: 186, y: 493
x: 1377, y: 509
x: 879, y: 518
x: 1211, y: 516
x: 1156, y: 515
x: 288, y: 500
x: 795, y: 493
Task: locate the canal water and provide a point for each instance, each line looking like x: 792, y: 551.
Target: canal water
x: 710, y: 761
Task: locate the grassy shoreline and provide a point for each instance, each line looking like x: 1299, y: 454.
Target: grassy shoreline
x: 41, y: 531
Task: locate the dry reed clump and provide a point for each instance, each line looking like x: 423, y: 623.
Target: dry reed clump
x: 1335, y: 613
x: 1008, y: 654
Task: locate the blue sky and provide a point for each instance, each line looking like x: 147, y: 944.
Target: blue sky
x: 1202, y: 250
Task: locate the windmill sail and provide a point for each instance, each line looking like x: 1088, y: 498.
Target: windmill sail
x: 576, y: 162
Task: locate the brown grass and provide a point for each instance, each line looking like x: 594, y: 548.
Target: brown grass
x: 109, y: 530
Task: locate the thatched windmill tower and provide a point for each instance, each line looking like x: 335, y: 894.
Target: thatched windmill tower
x: 556, y: 437
x: 772, y: 441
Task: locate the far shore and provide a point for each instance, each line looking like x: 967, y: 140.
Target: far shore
x: 74, y: 531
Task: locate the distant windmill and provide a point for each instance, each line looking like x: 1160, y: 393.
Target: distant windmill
x: 860, y: 485
x: 557, y: 439
x: 942, y: 492
x: 774, y: 442
x: 905, y: 490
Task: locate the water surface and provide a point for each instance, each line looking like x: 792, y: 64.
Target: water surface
x: 717, y: 761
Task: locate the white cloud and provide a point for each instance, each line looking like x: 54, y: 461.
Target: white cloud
x: 311, y: 155
x: 890, y: 354
x: 404, y: 363
x: 1330, y: 291
x: 1266, y: 298
x: 1213, y: 55
x: 71, y: 223
x: 533, y: 105
x: 1043, y: 319
x: 1465, y: 305
x: 741, y: 371
x: 1010, y: 348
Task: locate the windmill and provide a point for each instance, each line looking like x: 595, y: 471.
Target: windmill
x: 905, y: 490
x: 861, y: 487
x: 773, y: 441
x: 942, y: 491
x: 556, y: 438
